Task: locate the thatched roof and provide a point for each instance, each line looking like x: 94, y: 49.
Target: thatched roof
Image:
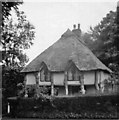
x: 67, y: 48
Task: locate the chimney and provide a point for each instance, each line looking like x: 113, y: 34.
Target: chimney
x: 79, y: 26
x: 77, y: 31
x: 74, y: 26
x: 118, y: 4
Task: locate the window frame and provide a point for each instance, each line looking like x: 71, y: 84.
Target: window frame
x: 75, y: 73
x: 47, y: 74
x: 41, y: 80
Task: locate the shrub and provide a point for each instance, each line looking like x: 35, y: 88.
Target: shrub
x: 31, y: 90
x: 43, y: 91
x: 68, y: 107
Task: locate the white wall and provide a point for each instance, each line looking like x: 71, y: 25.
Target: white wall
x: 89, y: 77
x: 30, y: 79
x: 104, y: 76
x: 58, y: 78
x: 73, y: 83
x: 44, y: 83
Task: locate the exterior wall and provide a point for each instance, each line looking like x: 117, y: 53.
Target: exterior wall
x: 104, y: 76
x: 30, y: 79
x: 73, y: 83
x: 58, y: 78
x: 89, y: 78
x: 45, y: 83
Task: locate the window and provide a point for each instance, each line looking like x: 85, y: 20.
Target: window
x: 47, y: 76
x: 73, y: 74
x: 77, y: 76
x: 44, y: 75
x: 70, y: 75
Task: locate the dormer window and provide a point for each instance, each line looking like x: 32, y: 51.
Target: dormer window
x: 70, y: 75
x: 44, y: 73
x: 73, y: 73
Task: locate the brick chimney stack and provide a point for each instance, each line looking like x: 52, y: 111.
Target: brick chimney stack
x: 118, y: 4
x: 77, y: 30
x: 79, y: 26
x: 74, y: 26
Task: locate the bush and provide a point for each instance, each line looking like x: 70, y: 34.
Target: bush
x: 68, y: 107
x: 31, y: 91
x: 43, y: 91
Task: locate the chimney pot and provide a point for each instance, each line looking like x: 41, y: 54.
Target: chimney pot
x: 118, y: 4
x: 78, y: 26
x: 74, y: 26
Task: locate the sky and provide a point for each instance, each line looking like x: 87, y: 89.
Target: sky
x: 52, y: 18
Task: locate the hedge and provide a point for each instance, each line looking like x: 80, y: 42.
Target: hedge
x: 67, y: 107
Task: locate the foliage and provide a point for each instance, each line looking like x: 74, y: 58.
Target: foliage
x: 44, y: 90
x: 11, y: 78
x: 68, y: 107
x: 31, y: 90
x: 20, y: 89
x: 6, y: 8
x: 102, y: 40
x: 16, y: 36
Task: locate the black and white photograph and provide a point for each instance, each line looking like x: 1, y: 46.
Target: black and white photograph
x: 59, y: 59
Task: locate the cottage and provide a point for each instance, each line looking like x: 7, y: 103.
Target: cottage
x: 69, y: 66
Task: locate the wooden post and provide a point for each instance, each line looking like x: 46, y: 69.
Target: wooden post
x: 8, y: 108
x: 96, y: 81
x: 65, y: 83
x: 37, y: 79
x: 25, y: 86
x: 52, y: 85
x: 100, y: 81
x: 37, y: 83
x: 82, y: 84
x: 37, y: 92
x: 102, y: 87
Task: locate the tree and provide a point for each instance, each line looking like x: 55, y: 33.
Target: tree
x: 17, y: 35
x: 87, y: 38
x: 104, y: 37
x: 7, y: 7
